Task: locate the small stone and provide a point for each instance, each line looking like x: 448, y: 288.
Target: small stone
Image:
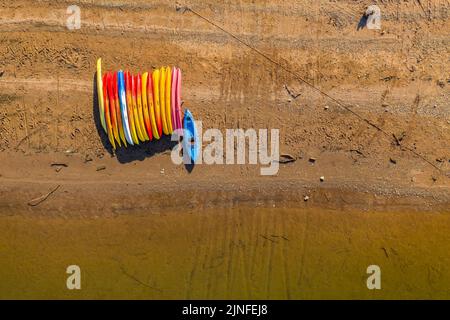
x: 100, y: 168
x: 162, y: 171
x: 326, y: 107
x: 306, y: 198
x: 393, y: 161
x: 322, y: 179
x: 286, y: 158
x: 312, y: 160
x: 412, y: 69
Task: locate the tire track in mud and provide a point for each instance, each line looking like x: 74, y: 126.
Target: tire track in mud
x: 189, y: 37
x: 76, y: 85
x: 435, y: 8
x: 206, y: 92
x: 65, y: 84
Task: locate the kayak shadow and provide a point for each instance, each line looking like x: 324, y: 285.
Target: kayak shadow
x: 144, y: 150
x: 189, y: 167
x: 130, y: 153
x: 362, y: 23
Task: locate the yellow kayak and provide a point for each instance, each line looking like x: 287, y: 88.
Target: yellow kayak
x: 139, y: 105
x: 137, y: 124
x: 148, y: 127
x: 101, y: 103
x: 151, y: 108
x: 135, y: 109
x: 168, y: 99
x: 156, y: 76
x: 162, y: 99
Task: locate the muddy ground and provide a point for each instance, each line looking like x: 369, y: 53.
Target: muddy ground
x: 396, y: 78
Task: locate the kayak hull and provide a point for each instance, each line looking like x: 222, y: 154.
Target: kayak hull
x: 131, y: 121
x: 135, y: 108
x: 178, y: 100
x: 162, y: 99
x: 123, y: 107
x: 107, y: 115
x: 151, y: 107
x: 156, y: 81
x: 147, y: 121
x: 190, y: 138
x: 101, y: 102
x: 168, y: 89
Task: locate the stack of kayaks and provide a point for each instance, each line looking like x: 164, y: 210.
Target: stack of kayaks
x: 141, y: 107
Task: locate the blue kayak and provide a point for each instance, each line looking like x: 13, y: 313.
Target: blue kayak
x: 190, y: 137
x: 123, y: 106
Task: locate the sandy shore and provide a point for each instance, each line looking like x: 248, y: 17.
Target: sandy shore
x: 162, y: 230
